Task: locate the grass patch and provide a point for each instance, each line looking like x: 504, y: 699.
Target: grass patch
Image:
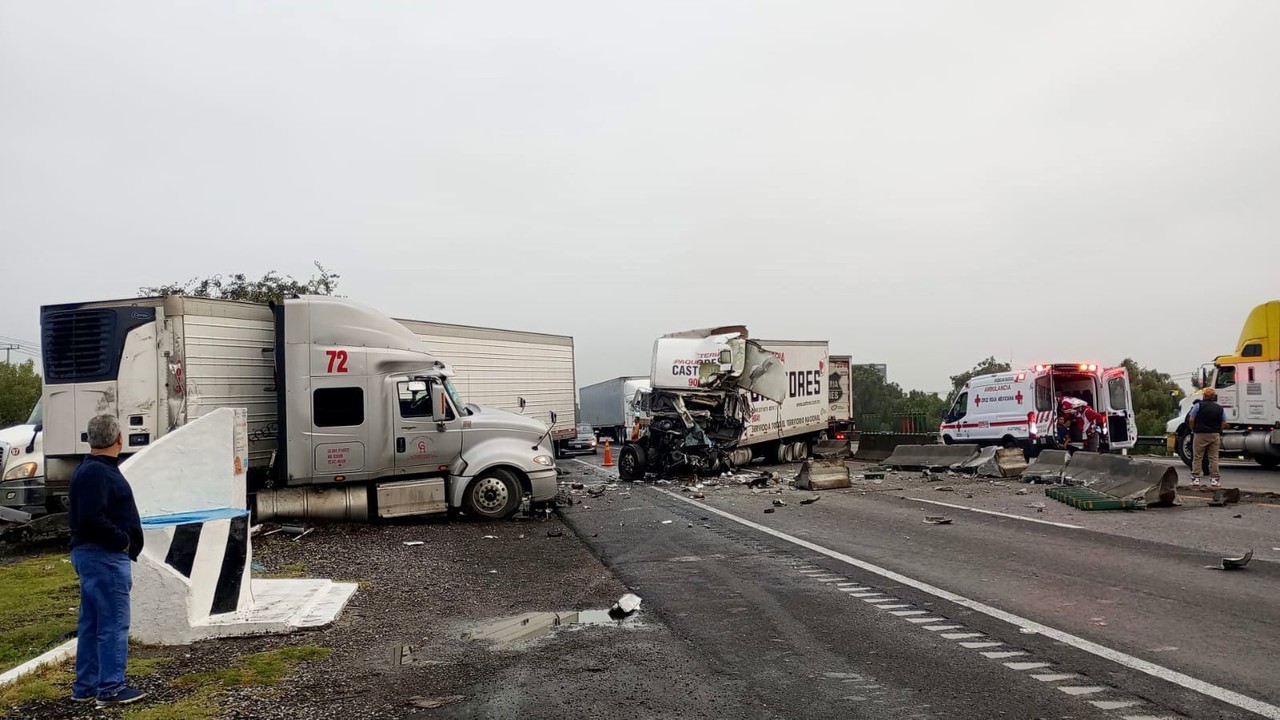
x: 264, y: 668
x: 294, y: 570
x: 39, y: 600
x: 199, y: 705
x: 49, y: 683
x: 142, y: 667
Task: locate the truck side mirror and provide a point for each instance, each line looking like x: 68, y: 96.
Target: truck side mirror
x: 439, y: 405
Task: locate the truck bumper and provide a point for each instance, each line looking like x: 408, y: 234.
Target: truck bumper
x: 24, y: 493
x: 543, y: 485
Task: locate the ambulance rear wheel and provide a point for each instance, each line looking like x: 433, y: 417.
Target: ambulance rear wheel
x: 948, y: 440
x: 494, y: 495
x: 1008, y: 442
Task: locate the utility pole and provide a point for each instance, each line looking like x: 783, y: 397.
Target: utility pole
x: 8, y: 349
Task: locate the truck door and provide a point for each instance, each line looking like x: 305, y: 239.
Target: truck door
x: 953, y: 421
x: 1228, y: 391
x: 1122, y: 426
x: 422, y: 445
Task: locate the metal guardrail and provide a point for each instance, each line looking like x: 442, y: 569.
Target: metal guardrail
x: 1150, y: 441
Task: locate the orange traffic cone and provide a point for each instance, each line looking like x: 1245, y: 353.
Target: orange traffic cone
x: 608, y: 454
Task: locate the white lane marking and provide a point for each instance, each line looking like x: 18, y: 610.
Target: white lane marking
x: 961, y: 636
x: 1002, y: 655
x: 936, y: 628
x: 1114, y: 704
x: 877, y: 601
x: 893, y: 607
x: 1024, y: 666
x: 826, y: 580
x: 979, y: 645
x: 999, y: 514
x: 1148, y: 717
x: 909, y: 613
x: 1216, y: 692
x: 1073, y: 690
x: 866, y: 595
x: 922, y: 621
x: 1055, y: 678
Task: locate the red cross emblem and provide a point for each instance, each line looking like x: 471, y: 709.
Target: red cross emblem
x: 977, y: 400
x: 1018, y: 397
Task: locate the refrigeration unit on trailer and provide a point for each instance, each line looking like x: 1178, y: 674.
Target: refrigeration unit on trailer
x: 1020, y: 408
x: 609, y: 406
x: 350, y: 415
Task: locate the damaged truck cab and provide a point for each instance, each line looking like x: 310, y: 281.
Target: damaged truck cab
x: 350, y: 415
x: 698, y: 407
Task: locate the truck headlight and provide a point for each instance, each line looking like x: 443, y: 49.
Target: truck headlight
x: 23, y: 471
x: 546, y: 460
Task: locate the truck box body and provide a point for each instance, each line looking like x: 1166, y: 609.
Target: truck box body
x: 807, y: 406
x: 606, y: 406
x: 495, y: 368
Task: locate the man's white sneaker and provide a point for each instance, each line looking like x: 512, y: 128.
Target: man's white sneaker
x: 1215, y: 483
x: 1195, y: 482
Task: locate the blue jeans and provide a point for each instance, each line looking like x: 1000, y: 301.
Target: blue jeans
x: 106, y: 577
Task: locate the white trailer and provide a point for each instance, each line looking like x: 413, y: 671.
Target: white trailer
x: 608, y: 406
x: 784, y: 431
x: 521, y: 372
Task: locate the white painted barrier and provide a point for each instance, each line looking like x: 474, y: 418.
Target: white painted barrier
x: 193, y: 579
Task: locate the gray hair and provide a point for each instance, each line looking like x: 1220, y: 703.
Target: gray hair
x: 104, y: 430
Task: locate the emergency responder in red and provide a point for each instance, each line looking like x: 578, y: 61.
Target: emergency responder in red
x: 1074, y: 412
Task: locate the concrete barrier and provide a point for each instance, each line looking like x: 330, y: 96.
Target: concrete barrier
x: 823, y: 474
x: 1123, y: 477
x: 994, y: 462
x: 1046, y: 468
x: 875, y: 447
x: 930, y: 456
x: 192, y: 581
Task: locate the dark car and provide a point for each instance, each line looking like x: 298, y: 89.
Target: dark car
x: 584, y: 444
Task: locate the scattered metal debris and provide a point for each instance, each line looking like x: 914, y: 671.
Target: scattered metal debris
x: 811, y: 500
x: 768, y: 510
x: 937, y: 519
x: 413, y: 543
x: 555, y: 533
x: 488, y: 537
x: 305, y: 533
x: 777, y: 502
x: 944, y: 488
x: 1237, y: 563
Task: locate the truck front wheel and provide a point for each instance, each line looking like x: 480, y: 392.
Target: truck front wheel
x: 494, y: 495
x: 1183, y: 447
x: 631, y: 462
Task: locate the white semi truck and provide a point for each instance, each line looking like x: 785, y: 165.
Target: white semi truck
x: 22, y: 465
x: 350, y: 414
x: 609, y: 406
x: 786, y: 431
x: 1248, y: 386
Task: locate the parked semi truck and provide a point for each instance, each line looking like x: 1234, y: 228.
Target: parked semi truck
x: 22, y: 465
x: 1248, y: 386
x: 609, y: 406
x: 350, y: 414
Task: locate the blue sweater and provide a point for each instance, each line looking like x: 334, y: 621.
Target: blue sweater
x: 102, y: 509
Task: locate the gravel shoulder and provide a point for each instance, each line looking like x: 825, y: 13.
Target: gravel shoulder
x: 400, y: 644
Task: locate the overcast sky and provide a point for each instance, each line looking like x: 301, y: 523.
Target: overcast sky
x: 923, y: 184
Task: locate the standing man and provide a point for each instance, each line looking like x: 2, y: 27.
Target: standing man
x: 106, y: 536
x: 1207, y: 421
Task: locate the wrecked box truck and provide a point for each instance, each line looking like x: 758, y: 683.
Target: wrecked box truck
x: 698, y: 408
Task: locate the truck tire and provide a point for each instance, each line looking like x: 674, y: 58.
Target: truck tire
x: 494, y: 495
x: 800, y: 451
x: 1268, y: 462
x: 780, y: 453
x: 1183, y: 448
x: 631, y: 462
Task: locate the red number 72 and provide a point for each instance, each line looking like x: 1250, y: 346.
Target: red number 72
x: 338, y: 356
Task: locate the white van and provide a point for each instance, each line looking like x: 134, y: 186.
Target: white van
x: 1019, y: 408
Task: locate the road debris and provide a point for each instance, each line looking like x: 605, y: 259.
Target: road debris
x: 937, y: 519
x: 777, y: 502
x: 699, y: 496
x: 294, y: 530
x: 1023, y: 491
x: 413, y: 543
x: 811, y: 500
x: 667, y: 522
x: 768, y: 510
x: 305, y: 533
x: 488, y: 537
x: 555, y: 533
x: 944, y: 488
x: 626, y: 605
x: 1237, y: 563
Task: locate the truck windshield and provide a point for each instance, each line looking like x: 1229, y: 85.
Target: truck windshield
x: 37, y: 413
x: 455, y: 397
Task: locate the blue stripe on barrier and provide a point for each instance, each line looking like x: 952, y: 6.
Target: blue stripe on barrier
x: 195, y: 516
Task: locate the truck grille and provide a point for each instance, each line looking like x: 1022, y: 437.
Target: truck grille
x: 78, y: 345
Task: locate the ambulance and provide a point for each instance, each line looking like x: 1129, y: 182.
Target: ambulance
x: 1019, y: 408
